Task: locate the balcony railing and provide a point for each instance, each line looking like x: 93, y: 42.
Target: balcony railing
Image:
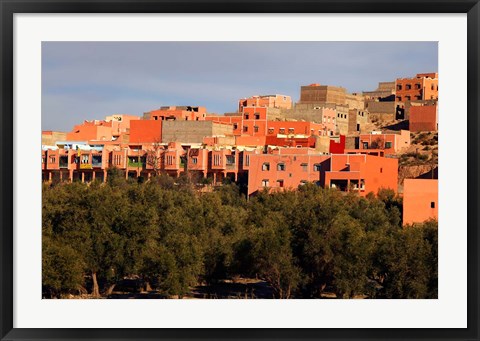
x: 135, y: 164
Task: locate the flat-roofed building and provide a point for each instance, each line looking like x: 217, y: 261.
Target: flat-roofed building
x: 420, y: 200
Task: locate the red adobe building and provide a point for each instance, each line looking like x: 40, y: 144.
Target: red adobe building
x: 182, y: 113
x: 422, y: 87
x: 423, y: 118
x: 388, y: 143
x: 287, y: 168
x: 420, y: 200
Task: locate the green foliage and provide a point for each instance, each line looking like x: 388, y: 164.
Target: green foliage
x: 302, y: 243
x: 62, y: 268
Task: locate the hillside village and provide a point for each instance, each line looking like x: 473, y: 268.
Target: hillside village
x: 384, y: 138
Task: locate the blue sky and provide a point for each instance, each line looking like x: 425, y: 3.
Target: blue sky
x: 91, y: 80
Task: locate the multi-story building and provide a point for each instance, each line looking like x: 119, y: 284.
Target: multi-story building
x: 315, y: 95
x: 269, y: 101
x: 287, y: 168
x: 295, y: 128
x: 424, y: 86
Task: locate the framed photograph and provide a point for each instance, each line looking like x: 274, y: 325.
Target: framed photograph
x: 242, y: 170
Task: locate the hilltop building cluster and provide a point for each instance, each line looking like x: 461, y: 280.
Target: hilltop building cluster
x: 269, y: 142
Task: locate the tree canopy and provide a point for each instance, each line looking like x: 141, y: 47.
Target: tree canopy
x: 303, y: 243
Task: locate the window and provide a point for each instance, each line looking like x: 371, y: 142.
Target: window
x: 304, y: 167
x: 235, y: 126
x: 399, y: 98
x: 230, y: 159
x: 417, y: 86
x: 365, y: 145
x: 317, y: 167
x: 84, y: 158
x: 282, y: 130
x: 155, y: 118
x: 399, y: 87
x: 281, y: 167
x: 246, y: 116
x: 381, y: 170
x: 194, y: 160
x: 97, y: 160
x: 280, y: 183
x: 433, y: 87
x: 265, y: 183
x: 255, y: 129
x: 245, y: 129
x: 291, y: 130
x: 217, y: 160
x: 408, y: 86
x: 407, y: 98
x: 418, y: 98
x: 52, y: 159
x: 247, y: 160
x: 388, y: 145
x: 271, y: 130
x: 257, y: 116
x: 266, y: 166
x: 432, y: 204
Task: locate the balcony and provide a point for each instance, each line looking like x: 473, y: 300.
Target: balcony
x: 96, y: 161
x: 63, y: 162
x: 135, y: 164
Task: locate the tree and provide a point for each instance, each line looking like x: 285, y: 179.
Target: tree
x: 62, y: 268
x: 154, y: 157
x: 273, y: 257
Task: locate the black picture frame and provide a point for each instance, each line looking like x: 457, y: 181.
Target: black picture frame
x: 10, y: 7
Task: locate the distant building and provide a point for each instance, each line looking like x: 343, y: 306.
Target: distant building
x: 389, y: 143
x: 49, y: 138
x: 384, y: 92
x: 424, y: 86
x: 423, y: 118
x: 91, y: 130
x: 193, y: 131
x: 316, y: 95
x: 177, y: 113
x: 269, y: 101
